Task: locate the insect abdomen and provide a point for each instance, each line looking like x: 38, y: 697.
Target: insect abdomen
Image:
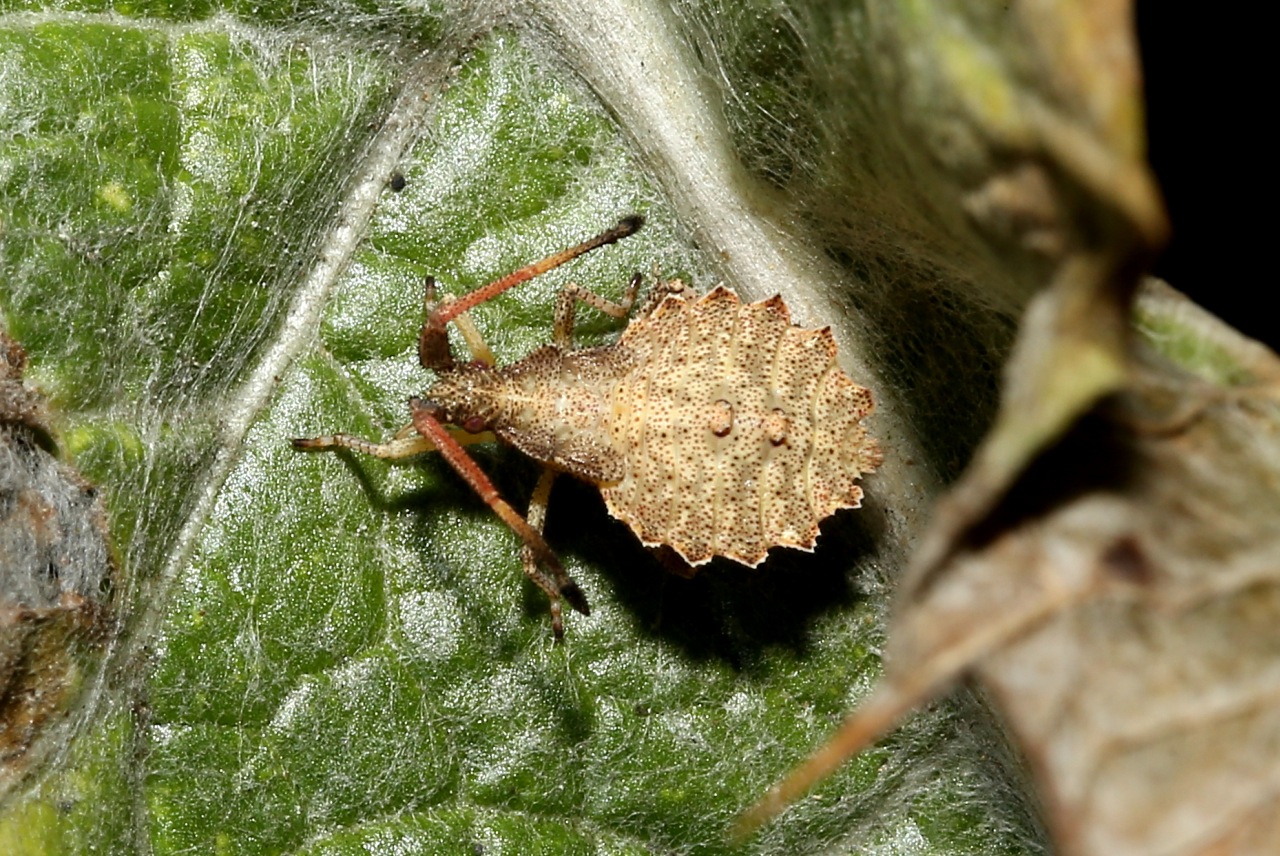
x: 741, y: 431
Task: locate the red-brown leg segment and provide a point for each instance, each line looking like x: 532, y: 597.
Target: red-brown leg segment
x: 560, y: 584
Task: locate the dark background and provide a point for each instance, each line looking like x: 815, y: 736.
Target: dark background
x: 1200, y: 134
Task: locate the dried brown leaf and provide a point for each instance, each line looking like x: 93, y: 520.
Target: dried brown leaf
x: 1108, y: 569
x: 1134, y: 573
x: 57, y: 573
x: 1121, y: 605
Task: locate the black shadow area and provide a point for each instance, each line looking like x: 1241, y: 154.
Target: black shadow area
x: 726, y: 611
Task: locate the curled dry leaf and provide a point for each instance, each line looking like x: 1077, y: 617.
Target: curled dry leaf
x: 1108, y: 569
x: 57, y: 572
x: 1120, y: 603
x: 1140, y: 667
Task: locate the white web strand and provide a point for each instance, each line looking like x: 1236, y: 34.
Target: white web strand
x: 302, y: 320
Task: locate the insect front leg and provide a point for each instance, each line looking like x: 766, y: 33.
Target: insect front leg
x: 406, y: 443
x: 662, y: 289
x: 567, y: 301
x: 556, y: 582
x: 394, y: 449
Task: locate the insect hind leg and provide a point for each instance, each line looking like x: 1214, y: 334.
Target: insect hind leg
x: 555, y: 581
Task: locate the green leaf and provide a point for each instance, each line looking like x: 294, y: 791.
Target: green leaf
x: 325, y: 653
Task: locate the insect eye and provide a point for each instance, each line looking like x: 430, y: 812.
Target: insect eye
x: 474, y: 425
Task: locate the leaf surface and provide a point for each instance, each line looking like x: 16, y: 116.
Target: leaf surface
x: 328, y: 654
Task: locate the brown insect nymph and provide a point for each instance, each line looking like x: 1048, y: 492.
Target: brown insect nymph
x: 712, y: 427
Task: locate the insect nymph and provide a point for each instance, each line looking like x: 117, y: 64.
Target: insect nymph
x: 711, y: 427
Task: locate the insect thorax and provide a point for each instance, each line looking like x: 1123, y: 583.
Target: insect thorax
x: 554, y: 405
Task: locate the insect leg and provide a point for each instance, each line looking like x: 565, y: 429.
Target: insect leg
x: 479, y: 348
x: 567, y: 300
x: 457, y: 457
x: 399, y: 447
x: 406, y: 443
x: 537, y: 517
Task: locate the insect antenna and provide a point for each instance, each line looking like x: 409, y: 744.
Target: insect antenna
x: 444, y: 313
x: 433, y: 340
